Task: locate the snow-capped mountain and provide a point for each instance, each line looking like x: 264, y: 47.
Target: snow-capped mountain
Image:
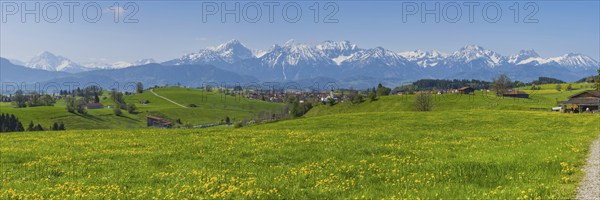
x: 425, y: 58
x: 576, y: 61
x: 233, y: 51
x: 227, y: 53
x: 119, y: 64
x: 50, y: 62
x: 472, y: 53
x: 345, y: 60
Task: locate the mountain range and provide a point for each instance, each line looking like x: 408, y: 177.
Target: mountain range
x: 342, y: 62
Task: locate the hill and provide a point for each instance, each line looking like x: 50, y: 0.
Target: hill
x: 212, y: 108
x: 543, y: 99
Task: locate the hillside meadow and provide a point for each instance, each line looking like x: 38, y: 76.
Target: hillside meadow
x: 212, y: 107
x: 445, y: 154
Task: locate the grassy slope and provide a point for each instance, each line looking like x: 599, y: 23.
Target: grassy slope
x: 379, y: 149
x: 212, y: 109
x: 539, y: 99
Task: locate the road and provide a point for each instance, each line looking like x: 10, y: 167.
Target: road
x: 165, y: 98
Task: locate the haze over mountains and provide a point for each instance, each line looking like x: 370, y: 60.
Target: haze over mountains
x: 342, y: 62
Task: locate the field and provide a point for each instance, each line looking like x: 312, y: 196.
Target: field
x: 382, y: 149
x: 212, y: 107
x: 541, y: 100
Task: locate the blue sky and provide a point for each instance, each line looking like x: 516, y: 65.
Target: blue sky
x: 169, y: 29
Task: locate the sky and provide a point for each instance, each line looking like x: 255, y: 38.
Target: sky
x: 165, y: 30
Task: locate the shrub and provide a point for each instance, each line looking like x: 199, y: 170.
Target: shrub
x: 423, y: 102
x: 131, y: 108
x: 117, y: 111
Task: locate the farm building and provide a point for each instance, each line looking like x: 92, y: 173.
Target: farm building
x: 586, y: 100
x: 158, y: 122
x: 515, y: 94
x: 93, y: 106
x: 466, y: 90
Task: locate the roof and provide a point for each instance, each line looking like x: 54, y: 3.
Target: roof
x: 465, y: 88
x: 155, y: 118
x: 595, y: 93
x: 582, y: 101
x: 513, y: 93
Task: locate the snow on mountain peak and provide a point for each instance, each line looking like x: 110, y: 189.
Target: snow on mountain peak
x: 576, y: 60
x: 526, y: 57
x: 473, y: 52
x: 50, y: 62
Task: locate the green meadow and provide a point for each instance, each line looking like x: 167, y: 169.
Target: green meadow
x: 211, y: 108
x: 467, y: 147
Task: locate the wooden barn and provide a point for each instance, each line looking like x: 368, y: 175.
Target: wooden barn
x: 584, y: 101
x: 158, y: 122
x: 466, y: 90
x: 515, y: 94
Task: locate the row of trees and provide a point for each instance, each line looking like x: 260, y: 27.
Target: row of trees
x: 10, y: 123
x: 20, y: 100
x: 119, y: 99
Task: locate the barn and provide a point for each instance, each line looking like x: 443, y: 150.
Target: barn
x: 158, y: 122
x: 515, y: 94
x: 583, y: 101
x: 466, y: 90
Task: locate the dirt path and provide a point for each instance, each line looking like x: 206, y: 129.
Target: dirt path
x: 165, y: 98
x: 590, y: 185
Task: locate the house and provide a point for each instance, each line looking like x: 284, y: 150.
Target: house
x: 158, y: 122
x: 466, y: 90
x: 515, y: 94
x: 93, y: 106
x: 583, y: 101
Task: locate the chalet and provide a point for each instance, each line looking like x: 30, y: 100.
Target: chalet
x: 466, y: 90
x: 93, y: 106
x: 158, y: 122
x: 515, y: 94
x: 583, y: 101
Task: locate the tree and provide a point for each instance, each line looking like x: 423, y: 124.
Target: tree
x: 382, y: 90
x: 19, y: 100
x: 131, y: 108
x: 47, y: 100
x: 80, y: 106
x: 117, y: 111
x: 31, y: 126
x: 423, y: 102
x: 372, y: 96
x: 139, y: 87
x: 227, y: 120
x: 54, y: 127
x: 501, y: 84
x: 558, y: 87
x: 569, y: 87
x: 598, y: 81
x: 70, y: 104
x: 358, y: 98
x: 61, y: 127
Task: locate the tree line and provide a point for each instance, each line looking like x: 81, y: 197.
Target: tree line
x: 10, y: 123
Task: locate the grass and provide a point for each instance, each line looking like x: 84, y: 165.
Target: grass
x: 466, y: 148
x: 213, y: 107
x: 446, y: 154
x: 543, y: 99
